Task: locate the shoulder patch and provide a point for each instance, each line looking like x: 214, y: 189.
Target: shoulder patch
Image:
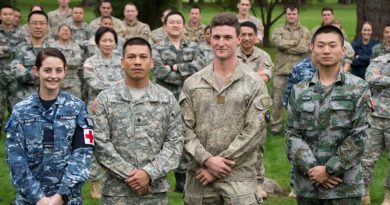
x: 95, y: 106
x: 266, y: 102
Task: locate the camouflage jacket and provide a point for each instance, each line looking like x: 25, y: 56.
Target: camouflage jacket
x: 145, y: 133
x: 328, y: 127
x: 56, y: 19
x: 207, y: 53
x: 80, y: 34
x: 378, y: 77
x: 8, y: 41
x: 100, y: 74
x: 349, y: 53
x: 188, y: 59
x: 194, y: 34
x: 258, y: 59
x: 380, y: 49
x: 292, y: 45
x: 116, y: 23
x: 138, y: 29
x: 226, y: 122
x: 44, y: 154
x: 157, y: 35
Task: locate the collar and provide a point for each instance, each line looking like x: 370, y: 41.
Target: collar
x: 151, y: 92
x: 37, y: 103
x: 340, y: 79
x: 208, y: 75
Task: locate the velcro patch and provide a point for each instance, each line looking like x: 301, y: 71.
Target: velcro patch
x: 67, y: 117
x: 88, y: 137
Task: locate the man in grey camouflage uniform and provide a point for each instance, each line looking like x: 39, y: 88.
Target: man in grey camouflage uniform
x: 131, y: 27
x: 194, y: 29
x: 59, y: 16
x: 291, y: 41
x: 105, y: 9
x: 326, y: 126
x: 223, y: 107
x: 24, y: 83
x: 383, y: 47
x: 378, y: 77
x: 10, y: 37
x: 260, y: 62
x: 138, y: 132
x: 159, y: 34
x: 244, y: 7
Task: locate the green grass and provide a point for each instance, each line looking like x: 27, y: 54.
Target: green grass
x: 276, y: 164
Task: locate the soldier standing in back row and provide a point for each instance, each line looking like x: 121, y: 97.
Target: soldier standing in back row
x: 105, y: 9
x: 59, y: 16
x: 131, y: 27
x: 291, y: 41
x: 194, y: 29
x: 244, y: 7
x: 383, y: 47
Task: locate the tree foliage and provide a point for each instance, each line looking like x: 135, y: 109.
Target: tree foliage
x: 7, y: 2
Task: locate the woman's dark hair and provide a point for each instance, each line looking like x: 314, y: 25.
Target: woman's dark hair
x: 47, y: 52
x: 102, y: 30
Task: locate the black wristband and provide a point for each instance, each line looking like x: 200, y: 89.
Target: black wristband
x: 64, y: 198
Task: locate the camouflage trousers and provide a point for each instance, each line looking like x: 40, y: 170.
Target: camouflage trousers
x: 278, y: 86
x: 346, y: 201
x: 150, y: 199
x: 259, y: 166
x: 378, y: 140
x: 220, y: 193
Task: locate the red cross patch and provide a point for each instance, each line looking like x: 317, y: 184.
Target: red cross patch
x: 88, y: 136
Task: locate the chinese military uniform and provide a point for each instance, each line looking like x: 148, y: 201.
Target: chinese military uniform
x: 380, y: 49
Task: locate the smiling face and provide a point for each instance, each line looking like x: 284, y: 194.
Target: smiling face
x: 130, y: 12
x: 291, y: 16
x: 327, y: 50
x: 174, y: 25
x: 37, y: 26
x: 51, y: 74
x: 366, y: 31
x: 64, y: 33
x: 248, y: 37
x: 137, y: 63
x: 195, y: 16
x: 107, y: 43
x: 224, y: 41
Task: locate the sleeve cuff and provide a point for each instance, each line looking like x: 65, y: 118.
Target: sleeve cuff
x: 202, y: 158
x: 335, y: 164
x: 151, y: 171
x: 63, y: 190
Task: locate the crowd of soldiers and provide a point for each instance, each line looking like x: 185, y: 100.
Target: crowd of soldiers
x: 207, y: 94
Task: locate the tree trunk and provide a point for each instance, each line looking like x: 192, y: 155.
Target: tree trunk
x: 345, y: 1
x: 374, y: 11
x: 191, y: 2
x: 87, y: 3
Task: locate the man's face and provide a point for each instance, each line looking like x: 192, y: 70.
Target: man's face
x: 366, y: 31
x: 386, y: 34
x: 17, y: 18
x: 243, y: 7
x: 247, y: 37
x: 327, y: 17
x: 292, y: 16
x: 37, y: 26
x: 175, y: 25
x: 195, y: 16
x: 137, y: 63
x: 105, y: 9
x: 106, y: 22
x: 78, y: 14
x: 7, y: 16
x: 130, y: 13
x: 327, y: 50
x: 64, y: 33
x: 224, y: 42
x: 63, y: 3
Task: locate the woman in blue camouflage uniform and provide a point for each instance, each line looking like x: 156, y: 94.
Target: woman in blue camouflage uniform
x: 49, y: 139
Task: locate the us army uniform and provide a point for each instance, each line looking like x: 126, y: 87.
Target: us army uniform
x: 194, y: 34
x: 56, y: 19
x: 327, y: 126
x: 144, y: 133
x: 349, y: 54
x: 224, y: 121
x: 379, y: 50
x: 292, y: 45
x: 74, y: 61
x: 378, y: 77
x: 44, y: 155
x: 116, y: 24
x: 8, y: 41
x: 24, y: 83
x: 188, y: 58
x: 137, y: 29
x: 81, y: 35
x: 258, y: 59
x: 158, y: 35
x: 258, y: 23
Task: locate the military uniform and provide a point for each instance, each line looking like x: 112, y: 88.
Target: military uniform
x: 93, y: 49
x: 158, y: 35
x: 292, y: 45
x: 224, y: 121
x: 56, y: 19
x: 258, y: 23
x: 378, y: 77
x: 44, y: 154
x: 188, y: 58
x: 81, y: 35
x: 194, y: 34
x: 326, y: 125
x: 349, y: 54
x: 258, y: 59
x: 24, y: 83
x: 8, y: 41
x: 72, y: 53
x: 137, y: 29
x: 116, y: 23
x: 144, y: 133
x: 379, y: 50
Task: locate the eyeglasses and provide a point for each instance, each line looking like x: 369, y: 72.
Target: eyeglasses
x: 250, y: 35
x: 40, y: 23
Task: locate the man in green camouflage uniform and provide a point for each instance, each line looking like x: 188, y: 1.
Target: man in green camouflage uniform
x: 138, y: 133
x: 131, y: 27
x: 244, y: 7
x: 223, y: 107
x: 10, y: 37
x: 194, y: 29
x: 59, y: 16
x: 24, y: 83
x: 326, y: 126
x: 378, y: 77
x: 291, y: 41
x: 105, y: 9
x: 384, y: 47
x: 260, y: 62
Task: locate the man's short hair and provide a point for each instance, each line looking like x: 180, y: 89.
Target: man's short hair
x: 130, y: 4
x: 79, y: 6
x: 102, y: 30
x: 106, y: 17
x: 327, y: 8
x: 292, y: 7
x: 104, y: 1
x: 173, y: 13
x: 17, y: 10
x: 226, y: 19
x: 328, y: 29
x: 136, y: 41
x: 250, y: 25
x: 387, y: 25
x: 37, y: 13
x: 196, y: 7
x: 6, y: 7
